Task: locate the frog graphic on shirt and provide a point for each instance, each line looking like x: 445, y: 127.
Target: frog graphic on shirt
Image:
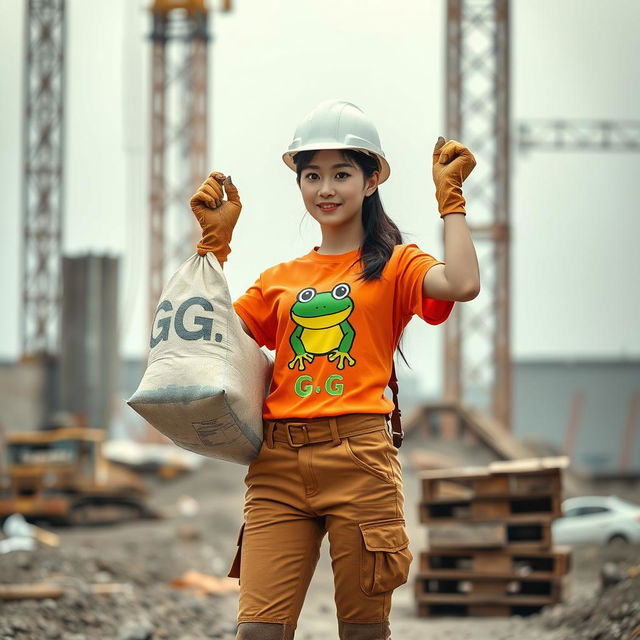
x: 322, y: 326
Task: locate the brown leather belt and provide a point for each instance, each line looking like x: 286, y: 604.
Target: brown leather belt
x: 301, y: 432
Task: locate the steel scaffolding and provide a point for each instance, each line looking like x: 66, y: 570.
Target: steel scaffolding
x: 477, y: 336
x: 178, y: 133
x: 43, y: 175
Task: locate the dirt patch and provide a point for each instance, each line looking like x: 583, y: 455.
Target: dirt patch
x: 146, y: 555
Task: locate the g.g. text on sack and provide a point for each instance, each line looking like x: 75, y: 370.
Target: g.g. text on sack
x: 162, y: 325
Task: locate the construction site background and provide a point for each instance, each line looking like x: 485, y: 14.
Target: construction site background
x: 109, y: 107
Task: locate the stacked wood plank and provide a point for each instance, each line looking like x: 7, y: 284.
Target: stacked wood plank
x: 490, y: 548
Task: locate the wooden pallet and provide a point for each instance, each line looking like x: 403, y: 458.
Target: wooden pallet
x: 490, y: 546
x: 470, y: 483
x: 505, y: 562
x: 432, y: 610
x: 439, y: 587
x: 485, y: 509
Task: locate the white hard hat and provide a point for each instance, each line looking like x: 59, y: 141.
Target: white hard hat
x: 336, y: 124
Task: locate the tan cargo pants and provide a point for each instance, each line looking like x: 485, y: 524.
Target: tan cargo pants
x: 337, y: 475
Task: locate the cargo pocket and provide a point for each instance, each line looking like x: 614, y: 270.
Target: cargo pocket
x: 234, y: 572
x: 385, y: 557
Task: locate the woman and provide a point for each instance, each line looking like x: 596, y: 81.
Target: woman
x: 334, y: 317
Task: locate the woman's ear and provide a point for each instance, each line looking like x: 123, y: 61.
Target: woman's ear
x: 372, y: 183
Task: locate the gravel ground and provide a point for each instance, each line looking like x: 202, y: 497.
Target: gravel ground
x: 146, y: 555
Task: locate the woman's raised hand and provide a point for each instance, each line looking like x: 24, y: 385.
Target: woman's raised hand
x: 217, y: 217
x: 452, y: 163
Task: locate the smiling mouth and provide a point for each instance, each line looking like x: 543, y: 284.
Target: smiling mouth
x: 328, y: 207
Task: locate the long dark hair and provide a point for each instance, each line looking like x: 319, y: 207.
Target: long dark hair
x: 380, y: 232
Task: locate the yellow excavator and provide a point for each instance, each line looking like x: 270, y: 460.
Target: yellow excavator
x: 61, y: 475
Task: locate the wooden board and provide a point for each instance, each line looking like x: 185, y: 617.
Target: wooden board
x: 502, y: 509
x: 517, y: 536
x: 475, y: 484
x: 524, y: 465
x: 432, y: 610
x: 486, y: 598
x: 507, y: 562
x: 490, y: 589
x: 529, y: 465
x: 544, y: 482
x: 467, y: 535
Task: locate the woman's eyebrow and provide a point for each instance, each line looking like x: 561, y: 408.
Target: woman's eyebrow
x: 335, y: 166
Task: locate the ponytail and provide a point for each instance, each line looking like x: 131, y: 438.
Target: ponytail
x: 380, y: 236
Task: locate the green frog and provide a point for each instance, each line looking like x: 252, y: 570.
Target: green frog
x: 322, y: 326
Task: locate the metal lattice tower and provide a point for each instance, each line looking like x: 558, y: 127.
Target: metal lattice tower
x: 477, y: 337
x: 178, y: 133
x: 42, y: 191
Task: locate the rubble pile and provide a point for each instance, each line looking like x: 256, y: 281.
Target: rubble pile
x: 139, y: 604
x: 613, y: 611
x: 115, y: 580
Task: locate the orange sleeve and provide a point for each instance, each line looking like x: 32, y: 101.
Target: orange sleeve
x: 257, y: 315
x: 412, y: 266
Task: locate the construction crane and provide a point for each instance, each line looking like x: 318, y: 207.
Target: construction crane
x: 43, y: 176
x: 178, y: 131
x: 477, y: 359
x: 178, y: 158
x: 477, y: 337
x: 178, y: 151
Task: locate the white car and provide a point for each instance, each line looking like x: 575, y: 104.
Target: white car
x: 597, y: 519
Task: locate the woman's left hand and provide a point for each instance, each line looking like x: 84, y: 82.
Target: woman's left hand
x: 452, y: 164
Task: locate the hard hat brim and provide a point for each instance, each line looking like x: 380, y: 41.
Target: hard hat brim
x: 385, y: 169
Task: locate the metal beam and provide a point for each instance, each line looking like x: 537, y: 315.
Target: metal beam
x: 579, y: 135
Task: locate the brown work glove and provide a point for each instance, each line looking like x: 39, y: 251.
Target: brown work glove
x: 452, y: 163
x: 216, y: 216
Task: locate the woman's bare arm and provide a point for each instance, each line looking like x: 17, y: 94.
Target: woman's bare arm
x: 459, y: 278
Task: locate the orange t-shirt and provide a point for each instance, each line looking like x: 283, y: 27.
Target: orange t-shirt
x: 335, y: 335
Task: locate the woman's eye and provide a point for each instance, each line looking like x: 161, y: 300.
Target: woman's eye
x: 311, y: 176
x: 341, y: 175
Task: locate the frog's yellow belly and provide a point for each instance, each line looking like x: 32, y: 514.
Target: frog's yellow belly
x: 319, y: 341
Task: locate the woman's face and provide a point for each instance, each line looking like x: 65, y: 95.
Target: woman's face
x: 333, y: 188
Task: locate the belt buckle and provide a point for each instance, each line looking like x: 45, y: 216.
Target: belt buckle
x: 301, y: 425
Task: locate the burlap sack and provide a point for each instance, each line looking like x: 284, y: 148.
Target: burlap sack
x: 206, y: 379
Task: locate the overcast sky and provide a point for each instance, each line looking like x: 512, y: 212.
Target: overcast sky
x: 575, y: 217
